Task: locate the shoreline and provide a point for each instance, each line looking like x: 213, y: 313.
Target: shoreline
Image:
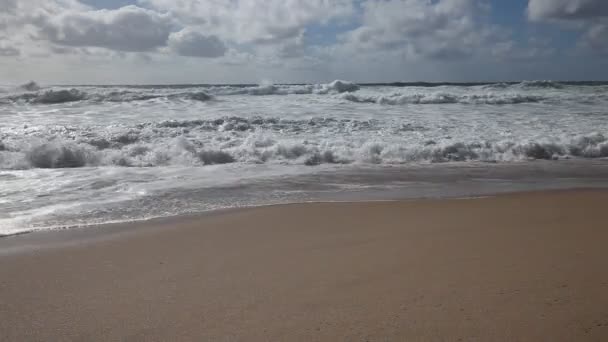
x: 523, y: 266
x: 65, y: 236
x: 396, y: 182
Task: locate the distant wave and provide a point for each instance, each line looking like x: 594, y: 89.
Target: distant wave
x: 335, y: 87
x: 444, y: 98
x: 30, y: 86
x: 32, y: 93
x: 490, y: 94
x: 56, y: 96
x: 161, y: 144
x: 541, y: 84
x: 527, y: 85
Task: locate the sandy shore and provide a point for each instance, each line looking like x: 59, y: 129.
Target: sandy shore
x: 522, y: 267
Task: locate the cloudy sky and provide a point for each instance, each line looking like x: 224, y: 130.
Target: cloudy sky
x: 236, y: 41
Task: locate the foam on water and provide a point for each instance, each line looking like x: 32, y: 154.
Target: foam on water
x: 32, y: 93
x: 272, y: 140
x: 444, y: 98
x: 77, y: 155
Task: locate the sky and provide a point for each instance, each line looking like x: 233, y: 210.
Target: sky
x: 301, y: 41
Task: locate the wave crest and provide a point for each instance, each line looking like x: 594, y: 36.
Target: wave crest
x: 30, y: 86
x: 56, y: 96
x: 493, y: 94
x: 541, y: 84
x: 443, y: 98
x: 240, y: 140
x: 59, y: 155
x: 335, y: 87
x: 338, y: 86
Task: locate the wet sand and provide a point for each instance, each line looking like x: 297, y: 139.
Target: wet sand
x: 520, y: 267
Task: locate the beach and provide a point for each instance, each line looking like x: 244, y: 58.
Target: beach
x: 519, y: 267
x: 303, y: 170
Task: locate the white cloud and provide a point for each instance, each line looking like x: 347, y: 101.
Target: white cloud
x: 20, y: 13
x: 596, y: 38
x: 511, y: 51
x: 592, y: 15
x: 194, y: 44
x: 284, y: 40
x: 255, y: 21
x: 67, y: 27
x: 129, y: 28
x: 445, y: 29
x: 8, y: 6
x: 234, y: 57
x: 567, y: 9
x: 9, y: 51
x: 287, y: 49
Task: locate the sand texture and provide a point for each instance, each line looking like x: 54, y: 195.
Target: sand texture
x: 521, y: 267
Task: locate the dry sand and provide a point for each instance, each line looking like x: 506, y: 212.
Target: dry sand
x: 521, y: 267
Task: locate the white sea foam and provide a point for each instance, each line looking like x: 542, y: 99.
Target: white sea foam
x: 33, y: 93
x: 444, y: 98
x: 102, y: 153
x: 491, y: 94
x: 272, y: 140
x: 30, y: 86
x: 58, y: 96
x: 335, y: 87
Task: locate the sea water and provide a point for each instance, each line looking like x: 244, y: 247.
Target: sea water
x: 83, y: 155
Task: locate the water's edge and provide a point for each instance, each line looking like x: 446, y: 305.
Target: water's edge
x: 35, y: 241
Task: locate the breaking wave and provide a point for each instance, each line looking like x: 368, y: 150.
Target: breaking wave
x: 527, y: 85
x: 541, y: 84
x: 490, y: 94
x: 240, y: 140
x: 30, y: 86
x: 32, y: 93
x: 56, y: 96
x: 444, y: 98
x: 72, y: 155
x: 335, y: 87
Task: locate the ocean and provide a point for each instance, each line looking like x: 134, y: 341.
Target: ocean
x: 76, y: 156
